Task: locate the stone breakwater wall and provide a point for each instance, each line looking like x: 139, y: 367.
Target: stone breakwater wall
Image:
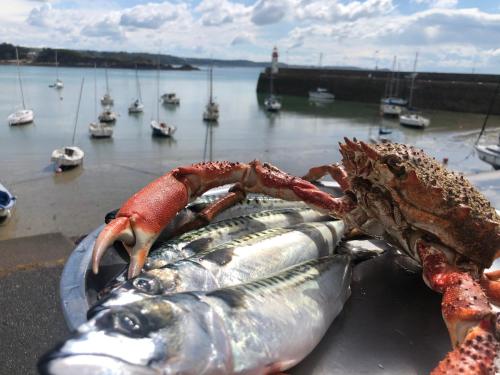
x: 437, y: 91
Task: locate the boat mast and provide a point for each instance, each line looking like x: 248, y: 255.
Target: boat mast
x: 57, y: 68
x: 211, y: 85
x: 158, y: 91
x: 77, y: 111
x: 391, y: 85
x: 20, y: 80
x: 107, y: 82
x: 413, y: 76
x: 95, y: 90
x: 138, y: 85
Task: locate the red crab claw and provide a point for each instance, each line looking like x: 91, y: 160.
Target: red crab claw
x: 143, y: 216
x: 471, y: 322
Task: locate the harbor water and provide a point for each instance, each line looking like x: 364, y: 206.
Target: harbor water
x: 302, y: 135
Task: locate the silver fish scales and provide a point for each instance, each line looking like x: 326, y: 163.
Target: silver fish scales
x: 241, y: 260
x: 262, y: 326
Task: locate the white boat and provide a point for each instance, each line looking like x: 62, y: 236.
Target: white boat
x: 414, y: 120
x: 100, y: 130
x: 160, y: 128
x: 107, y: 116
x: 69, y: 156
x: 7, y: 203
x: 66, y: 157
x: 106, y: 98
x: 321, y: 94
x: 24, y: 115
x: 272, y: 104
x: 21, y: 117
x: 391, y: 105
x: 137, y: 106
x: 489, y: 154
x: 211, y: 112
x: 390, y: 109
x: 170, y: 98
x: 58, y: 84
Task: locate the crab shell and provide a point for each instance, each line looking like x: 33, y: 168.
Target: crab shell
x: 423, y: 196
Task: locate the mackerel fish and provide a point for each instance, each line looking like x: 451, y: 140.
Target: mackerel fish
x: 264, y: 326
x: 191, y: 243
x: 251, y: 257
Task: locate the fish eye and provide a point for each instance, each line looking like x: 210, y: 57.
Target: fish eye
x: 127, y: 323
x: 149, y: 285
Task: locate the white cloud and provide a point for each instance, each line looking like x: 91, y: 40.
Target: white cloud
x: 334, y: 10
x: 220, y: 12
x: 107, y: 28
x: 267, y: 12
x: 151, y: 15
x: 39, y: 16
x: 243, y: 38
x: 438, y: 3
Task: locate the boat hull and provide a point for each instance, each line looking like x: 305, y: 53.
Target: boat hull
x: 414, y: 121
x: 67, y: 157
x: 490, y: 155
x: 162, y: 129
x: 390, y: 110
x: 22, y: 117
x: 7, y: 203
x: 322, y: 96
x: 100, y: 131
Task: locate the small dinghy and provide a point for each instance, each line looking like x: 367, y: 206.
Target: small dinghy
x: 100, y: 130
x: 69, y: 156
x: 7, y: 202
x: 162, y: 129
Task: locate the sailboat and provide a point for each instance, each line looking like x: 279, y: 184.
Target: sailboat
x: 391, y: 104
x: 321, y: 94
x: 107, y: 99
x: 272, y: 103
x: 137, y: 106
x: 69, y: 156
x: 58, y: 84
x: 21, y: 116
x: 99, y: 129
x: 411, y: 118
x: 212, y: 109
x: 160, y: 128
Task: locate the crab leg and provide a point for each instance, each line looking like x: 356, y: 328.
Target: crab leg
x: 467, y: 314
x: 143, y: 216
x: 334, y: 170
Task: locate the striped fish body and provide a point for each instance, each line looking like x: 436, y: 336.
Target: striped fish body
x: 189, y: 244
x: 264, y: 326
x: 253, y: 203
x: 251, y: 257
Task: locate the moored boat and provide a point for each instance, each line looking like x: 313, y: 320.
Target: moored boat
x: 272, y: 104
x: 211, y: 112
x: 21, y: 116
x: 414, y: 120
x: 69, y: 156
x: 100, y: 130
x: 137, y: 106
x: 107, y: 116
x: 489, y: 154
x: 7, y: 202
x: 162, y: 129
x: 321, y: 94
x: 170, y: 98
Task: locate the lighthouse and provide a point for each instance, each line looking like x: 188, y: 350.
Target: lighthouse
x: 274, y: 61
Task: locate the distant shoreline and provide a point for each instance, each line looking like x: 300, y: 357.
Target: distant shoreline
x: 185, y: 67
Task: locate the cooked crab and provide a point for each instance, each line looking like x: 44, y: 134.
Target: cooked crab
x: 391, y: 191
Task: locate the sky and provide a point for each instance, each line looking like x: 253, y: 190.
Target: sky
x: 449, y: 35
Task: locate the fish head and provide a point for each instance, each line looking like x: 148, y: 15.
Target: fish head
x: 146, y: 337
x: 146, y: 285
